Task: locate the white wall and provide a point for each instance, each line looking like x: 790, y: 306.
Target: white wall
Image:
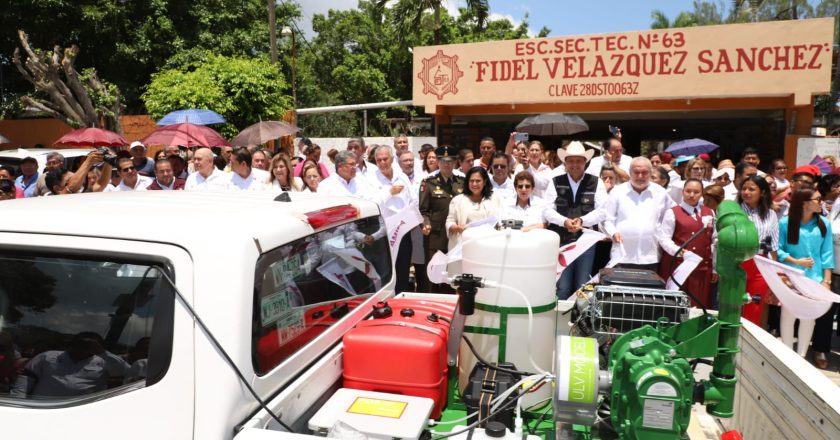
x: 414, y: 143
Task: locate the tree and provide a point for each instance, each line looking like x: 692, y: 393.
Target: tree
x: 127, y: 41
x: 410, y: 13
x: 367, y: 53
x: 243, y: 90
x: 80, y: 100
x: 661, y: 21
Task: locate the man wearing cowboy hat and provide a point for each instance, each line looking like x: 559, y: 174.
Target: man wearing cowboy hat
x: 579, y: 201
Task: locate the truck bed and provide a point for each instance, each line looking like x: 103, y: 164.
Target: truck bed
x: 780, y: 396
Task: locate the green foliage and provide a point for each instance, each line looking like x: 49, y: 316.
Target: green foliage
x: 243, y: 90
x: 366, y: 54
x: 744, y: 11
x: 127, y: 41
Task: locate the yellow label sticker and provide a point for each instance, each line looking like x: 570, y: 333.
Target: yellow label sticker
x: 661, y: 372
x: 378, y: 407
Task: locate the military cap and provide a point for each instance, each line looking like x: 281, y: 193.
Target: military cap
x: 446, y: 152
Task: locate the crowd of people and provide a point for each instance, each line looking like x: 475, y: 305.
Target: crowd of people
x: 647, y: 206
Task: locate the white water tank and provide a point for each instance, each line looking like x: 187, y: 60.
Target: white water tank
x: 526, y: 261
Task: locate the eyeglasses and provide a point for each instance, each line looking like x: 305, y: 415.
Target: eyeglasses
x: 804, y: 181
x: 817, y: 199
x: 127, y: 169
x: 499, y: 166
x: 698, y: 168
x: 523, y: 187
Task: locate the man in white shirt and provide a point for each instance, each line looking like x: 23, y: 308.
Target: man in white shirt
x: 487, y: 147
x: 131, y: 181
x: 743, y: 171
x: 400, y: 146
x: 418, y: 253
x: 345, y: 182
x: 613, y: 152
x: 206, y: 176
x: 633, y: 210
x: 578, y: 203
x: 500, y: 177
x: 395, y: 192
x: 244, y: 177
x: 357, y: 146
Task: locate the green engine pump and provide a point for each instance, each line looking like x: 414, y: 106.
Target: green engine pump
x: 648, y: 386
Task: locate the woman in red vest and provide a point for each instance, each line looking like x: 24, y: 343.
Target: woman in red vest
x: 678, y: 225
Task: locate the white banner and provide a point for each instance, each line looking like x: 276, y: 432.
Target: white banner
x: 570, y: 252
x: 681, y: 273
x: 400, y: 224
x: 802, y: 296
x: 334, y: 271
x: 436, y: 268
x: 354, y: 258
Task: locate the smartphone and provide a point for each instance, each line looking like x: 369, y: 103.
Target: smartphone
x: 615, y: 131
x: 520, y: 137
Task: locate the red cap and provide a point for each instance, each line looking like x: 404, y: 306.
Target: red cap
x: 705, y: 156
x: 731, y: 435
x: 808, y: 169
x: 835, y: 171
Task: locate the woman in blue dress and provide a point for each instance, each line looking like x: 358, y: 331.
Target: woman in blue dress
x: 805, y: 242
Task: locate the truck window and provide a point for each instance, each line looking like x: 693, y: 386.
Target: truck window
x: 304, y: 287
x: 74, y: 330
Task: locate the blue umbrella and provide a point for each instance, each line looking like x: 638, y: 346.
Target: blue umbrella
x: 691, y: 147
x: 193, y: 116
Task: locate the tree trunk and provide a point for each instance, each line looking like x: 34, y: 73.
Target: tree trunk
x: 69, y: 98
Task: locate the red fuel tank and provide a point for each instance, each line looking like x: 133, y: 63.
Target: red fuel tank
x: 402, y: 350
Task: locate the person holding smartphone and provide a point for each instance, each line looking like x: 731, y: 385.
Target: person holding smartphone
x: 612, y: 153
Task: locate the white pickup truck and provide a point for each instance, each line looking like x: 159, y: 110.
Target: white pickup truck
x: 87, y: 275
x: 97, y: 342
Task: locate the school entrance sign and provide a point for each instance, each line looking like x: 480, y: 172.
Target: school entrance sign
x: 772, y: 59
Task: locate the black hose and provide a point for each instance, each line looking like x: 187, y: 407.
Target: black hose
x: 494, y: 413
x: 224, y: 354
x: 533, y: 428
x: 671, y: 269
x: 488, y: 364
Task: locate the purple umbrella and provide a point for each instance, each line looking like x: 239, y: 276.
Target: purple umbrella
x: 691, y: 147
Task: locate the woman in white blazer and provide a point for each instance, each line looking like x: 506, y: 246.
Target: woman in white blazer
x: 476, y: 203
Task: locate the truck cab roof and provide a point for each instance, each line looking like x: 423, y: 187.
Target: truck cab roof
x: 193, y: 220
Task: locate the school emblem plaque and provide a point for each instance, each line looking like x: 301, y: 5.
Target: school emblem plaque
x: 440, y: 75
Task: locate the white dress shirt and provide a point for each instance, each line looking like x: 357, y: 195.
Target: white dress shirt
x: 665, y: 232
x: 597, y: 163
x: 163, y: 187
x: 218, y: 180
x: 543, y: 186
x: 256, y: 181
x: 335, y: 185
x: 636, y: 217
x: 529, y: 215
x: 142, y: 183
x: 392, y: 204
x: 505, y: 189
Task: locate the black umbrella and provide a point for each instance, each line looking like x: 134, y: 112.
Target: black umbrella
x: 548, y: 124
